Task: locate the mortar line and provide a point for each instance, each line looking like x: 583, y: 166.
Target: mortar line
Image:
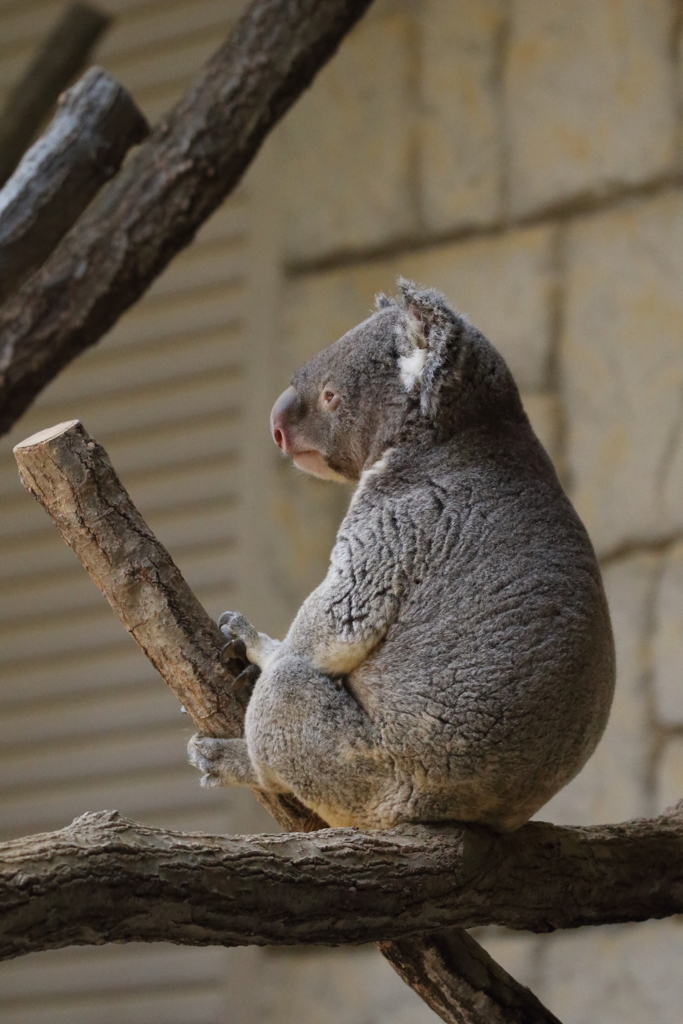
x: 408, y: 244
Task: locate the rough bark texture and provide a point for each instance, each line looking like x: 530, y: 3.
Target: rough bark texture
x: 106, y: 878
x: 193, y: 159
x: 95, y: 125
x: 58, y: 61
x: 460, y: 981
x: 72, y: 476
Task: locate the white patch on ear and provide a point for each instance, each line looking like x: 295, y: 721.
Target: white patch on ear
x: 411, y: 367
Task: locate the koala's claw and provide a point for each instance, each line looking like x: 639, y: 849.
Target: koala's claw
x: 244, y: 683
x: 235, y: 648
x: 234, y: 656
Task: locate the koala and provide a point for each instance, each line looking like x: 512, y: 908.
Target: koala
x: 457, y: 661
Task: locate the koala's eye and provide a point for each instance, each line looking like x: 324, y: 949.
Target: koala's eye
x: 329, y: 399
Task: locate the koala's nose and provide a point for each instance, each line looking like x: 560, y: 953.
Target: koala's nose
x: 281, y: 420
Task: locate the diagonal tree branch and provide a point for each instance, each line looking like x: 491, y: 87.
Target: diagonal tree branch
x: 72, y: 476
x: 108, y: 879
x: 176, y: 179
x: 460, y: 981
x: 95, y: 125
x: 59, y: 59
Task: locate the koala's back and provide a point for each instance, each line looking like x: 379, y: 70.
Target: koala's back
x: 493, y: 683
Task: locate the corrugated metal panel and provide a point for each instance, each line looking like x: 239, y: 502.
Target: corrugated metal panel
x: 85, y: 723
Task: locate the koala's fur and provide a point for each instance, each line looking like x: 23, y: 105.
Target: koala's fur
x: 457, y: 661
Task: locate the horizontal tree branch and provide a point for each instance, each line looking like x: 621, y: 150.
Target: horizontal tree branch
x: 72, y: 476
x: 94, y: 126
x: 175, y: 180
x: 56, y: 63
x: 108, y: 879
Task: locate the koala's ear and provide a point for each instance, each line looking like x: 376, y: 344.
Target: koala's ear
x: 382, y: 302
x: 425, y: 325
x: 422, y: 310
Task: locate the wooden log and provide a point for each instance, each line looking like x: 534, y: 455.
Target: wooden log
x: 57, y: 62
x: 95, y: 125
x: 106, y: 878
x: 194, y: 157
x: 72, y: 477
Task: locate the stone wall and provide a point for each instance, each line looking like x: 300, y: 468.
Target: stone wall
x: 524, y: 156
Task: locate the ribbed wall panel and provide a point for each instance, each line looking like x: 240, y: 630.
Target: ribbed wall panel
x: 85, y: 721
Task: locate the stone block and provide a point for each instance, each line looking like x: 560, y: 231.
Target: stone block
x: 589, y: 96
x: 346, y: 147
x: 460, y: 149
x: 621, y: 366
x: 668, y: 641
x: 612, y: 786
x: 669, y: 783
x: 503, y: 284
x: 618, y: 974
x: 321, y: 306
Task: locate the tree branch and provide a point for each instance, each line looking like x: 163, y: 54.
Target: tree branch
x: 59, y: 59
x: 72, y: 476
x: 461, y: 982
x: 108, y: 879
x: 95, y: 125
x: 140, y: 220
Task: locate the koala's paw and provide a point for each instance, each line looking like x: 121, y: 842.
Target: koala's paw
x: 235, y: 627
x: 203, y: 752
x: 236, y: 631
x: 245, y: 644
x: 222, y: 762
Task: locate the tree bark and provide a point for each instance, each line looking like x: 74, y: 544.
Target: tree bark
x: 108, y: 879
x: 95, y: 125
x: 72, y: 476
x: 153, y: 207
x: 58, y: 61
x: 460, y: 981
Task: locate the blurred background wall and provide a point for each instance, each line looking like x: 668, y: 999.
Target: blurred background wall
x: 525, y: 157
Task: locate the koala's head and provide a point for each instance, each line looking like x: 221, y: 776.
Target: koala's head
x: 414, y: 366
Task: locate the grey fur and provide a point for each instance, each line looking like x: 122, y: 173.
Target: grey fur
x: 457, y: 661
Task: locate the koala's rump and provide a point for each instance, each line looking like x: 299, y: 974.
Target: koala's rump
x: 492, y: 689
